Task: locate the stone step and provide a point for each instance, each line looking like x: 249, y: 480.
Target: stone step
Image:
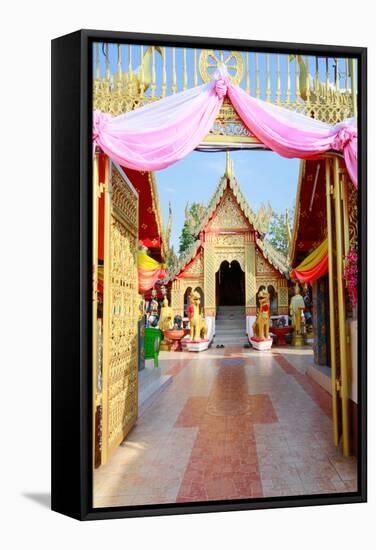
x: 230, y: 331
x: 224, y: 308
x: 230, y: 341
x: 151, y: 382
x: 227, y: 321
x: 230, y: 322
x: 231, y: 309
x: 230, y: 314
x: 231, y: 318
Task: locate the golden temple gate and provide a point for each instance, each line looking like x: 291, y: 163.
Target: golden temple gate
x: 320, y: 87
x: 115, y: 330
x: 342, y: 231
x: 323, y: 88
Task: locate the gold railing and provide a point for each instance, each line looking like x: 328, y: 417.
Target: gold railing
x: 126, y: 77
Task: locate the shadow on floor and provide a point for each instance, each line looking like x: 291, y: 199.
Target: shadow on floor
x: 43, y: 499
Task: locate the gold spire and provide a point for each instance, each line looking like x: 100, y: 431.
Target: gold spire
x: 229, y: 166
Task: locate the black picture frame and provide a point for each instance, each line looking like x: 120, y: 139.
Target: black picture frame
x: 72, y: 274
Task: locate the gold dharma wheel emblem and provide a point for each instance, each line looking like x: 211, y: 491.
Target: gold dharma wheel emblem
x: 210, y: 60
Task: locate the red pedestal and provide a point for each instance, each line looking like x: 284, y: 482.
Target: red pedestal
x: 281, y: 332
x: 175, y: 337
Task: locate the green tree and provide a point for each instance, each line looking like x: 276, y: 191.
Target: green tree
x: 193, y: 216
x: 278, y: 231
x: 171, y: 259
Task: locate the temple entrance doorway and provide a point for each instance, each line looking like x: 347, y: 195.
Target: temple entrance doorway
x: 230, y: 284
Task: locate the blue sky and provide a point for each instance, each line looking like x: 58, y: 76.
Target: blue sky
x: 262, y: 175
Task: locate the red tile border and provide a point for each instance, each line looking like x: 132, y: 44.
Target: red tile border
x: 224, y: 462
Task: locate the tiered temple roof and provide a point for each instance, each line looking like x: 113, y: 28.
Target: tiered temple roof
x: 257, y: 221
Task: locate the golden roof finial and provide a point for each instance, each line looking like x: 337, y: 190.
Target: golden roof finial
x: 229, y: 167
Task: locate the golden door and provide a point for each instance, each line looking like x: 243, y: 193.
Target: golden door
x: 342, y: 232
x: 118, y: 389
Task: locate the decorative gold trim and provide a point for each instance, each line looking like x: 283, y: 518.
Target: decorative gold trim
x: 117, y: 92
x: 209, y: 60
x: 231, y: 140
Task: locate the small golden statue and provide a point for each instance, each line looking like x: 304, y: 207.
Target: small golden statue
x: 198, y: 326
x: 141, y: 307
x: 261, y: 325
x: 166, y: 319
x: 296, y: 309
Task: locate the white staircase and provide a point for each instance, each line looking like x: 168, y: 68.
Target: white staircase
x: 230, y: 326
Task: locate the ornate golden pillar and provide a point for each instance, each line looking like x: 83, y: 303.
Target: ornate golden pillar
x: 283, y: 297
x: 344, y: 384
x: 250, y: 275
x: 177, y: 297
x: 332, y: 320
x: 120, y: 311
x: 209, y: 279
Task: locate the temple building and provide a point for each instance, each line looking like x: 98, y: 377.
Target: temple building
x: 231, y: 258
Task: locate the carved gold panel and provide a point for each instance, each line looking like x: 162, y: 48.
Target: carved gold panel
x: 209, y: 282
x: 227, y: 215
x: 229, y: 240
x: 196, y: 269
x: 250, y: 275
x: 210, y: 60
x: 352, y: 204
x: 229, y: 255
x: 120, y: 339
x: 177, y: 297
x: 262, y: 265
x: 283, y: 297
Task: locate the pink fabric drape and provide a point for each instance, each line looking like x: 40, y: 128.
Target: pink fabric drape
x: 147, y: 278
x: 293, y: 135
x: 161, y: 133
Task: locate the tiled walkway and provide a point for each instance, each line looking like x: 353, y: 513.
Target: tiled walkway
x: 233, y: 423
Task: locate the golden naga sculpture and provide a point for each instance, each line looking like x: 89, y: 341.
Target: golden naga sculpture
x: 166, y: 319
x: 263, y: 217
x: 310, y: 88
x: 261, y: 325
x: 198, y: 326
x: 138, y: 81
